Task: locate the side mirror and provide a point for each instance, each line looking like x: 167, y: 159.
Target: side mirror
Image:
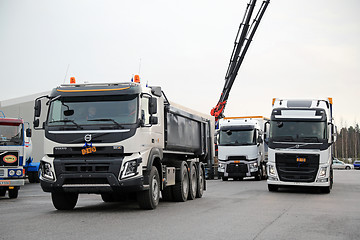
x: 260, y: 140
x: 28, y: 132
x: 36, y: 123
x: 37, y: 108
x: 153, y: 120
x: 152, y: 106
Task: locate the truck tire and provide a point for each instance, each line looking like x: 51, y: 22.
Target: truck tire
x: 259, y: 174
x: 64, y: 201
x: 149, y: 199
x: 2, y: 192
x: 225, y: 178
x: 107, y: 197
x: 273, y: 188
x: 13, y: 193
x: 193, y: 180
x: 201, y: 182
x: 181, y: 187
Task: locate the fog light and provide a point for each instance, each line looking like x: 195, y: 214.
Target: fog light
x: 322, y: 180
x: 272, y: 178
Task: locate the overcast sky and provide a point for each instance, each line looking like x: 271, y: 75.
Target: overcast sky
x: 302, y: 49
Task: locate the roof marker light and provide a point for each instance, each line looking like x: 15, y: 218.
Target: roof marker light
x: 137, y: 78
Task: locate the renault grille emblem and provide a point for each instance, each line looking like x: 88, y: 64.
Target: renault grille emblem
x: 87, y: 137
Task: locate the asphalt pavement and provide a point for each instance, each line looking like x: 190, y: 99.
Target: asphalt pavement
x: 228, y: 210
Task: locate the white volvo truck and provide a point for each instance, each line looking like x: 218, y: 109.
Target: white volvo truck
x: 118, y: 139
x: 300, y: 144
x: 241, y: 148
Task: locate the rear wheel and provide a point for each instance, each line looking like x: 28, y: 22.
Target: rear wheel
x: 193, y: 179
x: 273, y: 188
x: 201, y: 182
x: 13, y: 193
x: 225, y: 178
x: 64, y: 201
x: 181, y: 187
x: 149, y: 199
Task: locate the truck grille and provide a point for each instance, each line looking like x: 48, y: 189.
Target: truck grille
x: 83, y: 167
x: 292, y: 170
x: 236, y: 168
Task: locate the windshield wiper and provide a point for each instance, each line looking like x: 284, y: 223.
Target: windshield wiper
x: 107, y: 120
x: 310, y: 139
x: 68, y: 120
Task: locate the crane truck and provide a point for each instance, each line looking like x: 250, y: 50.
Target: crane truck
x: 241, y: 148
x: 300, y: 141
x: 115, y: 139
x: 15, y: 156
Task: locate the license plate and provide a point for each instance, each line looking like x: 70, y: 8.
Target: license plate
x: 88, y: 150
x: 4, y: 183
x: 299, y: 159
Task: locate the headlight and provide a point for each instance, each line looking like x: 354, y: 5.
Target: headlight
x: 46, y: 171
x: 130, y: 169
x: 323, y: 172
x: 11, y: 173
x: 271, y: 169
x: 18, y: 172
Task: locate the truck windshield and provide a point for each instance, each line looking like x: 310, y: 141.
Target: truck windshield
x: 93, y: 110
x: 11, y: 135
x: 291, y: 131
x: 236, y: 137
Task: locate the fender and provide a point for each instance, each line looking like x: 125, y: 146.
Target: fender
x: 154, y: 154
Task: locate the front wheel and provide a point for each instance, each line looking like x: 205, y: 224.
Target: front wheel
x: 273, y: 188
x: 347, y: 168
x: 64, y: 201
x: 149, y: 199
x: 13, y: 193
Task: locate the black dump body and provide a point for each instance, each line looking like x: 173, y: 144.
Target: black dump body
x: 187, y: 134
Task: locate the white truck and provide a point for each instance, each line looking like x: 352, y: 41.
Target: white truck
x: 118, y: 139
x: 300, y: 144
x: 15, y: 155
x: 241, y: 148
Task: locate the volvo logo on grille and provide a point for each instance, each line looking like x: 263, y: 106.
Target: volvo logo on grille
x: 87, y: 137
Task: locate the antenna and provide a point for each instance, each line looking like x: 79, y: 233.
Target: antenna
x: 67, y: 70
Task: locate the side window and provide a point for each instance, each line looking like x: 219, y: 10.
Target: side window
x: 145, y: 116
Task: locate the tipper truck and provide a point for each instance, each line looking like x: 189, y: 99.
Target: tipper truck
x: 241, y: 148
x: 15, y: 156
x: 115, y: 139
x: 300, y: 144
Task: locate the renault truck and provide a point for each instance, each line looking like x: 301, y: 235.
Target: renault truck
x: 115, y: 139
x: 241, y: 148
x: 300, y: 141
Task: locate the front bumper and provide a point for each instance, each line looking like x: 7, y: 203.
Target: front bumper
x: 11, y: 182
x: 93, y: 183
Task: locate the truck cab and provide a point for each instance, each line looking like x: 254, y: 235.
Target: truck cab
x: 15, y: 150
x: 241, y: 149
x: 300, y: 139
